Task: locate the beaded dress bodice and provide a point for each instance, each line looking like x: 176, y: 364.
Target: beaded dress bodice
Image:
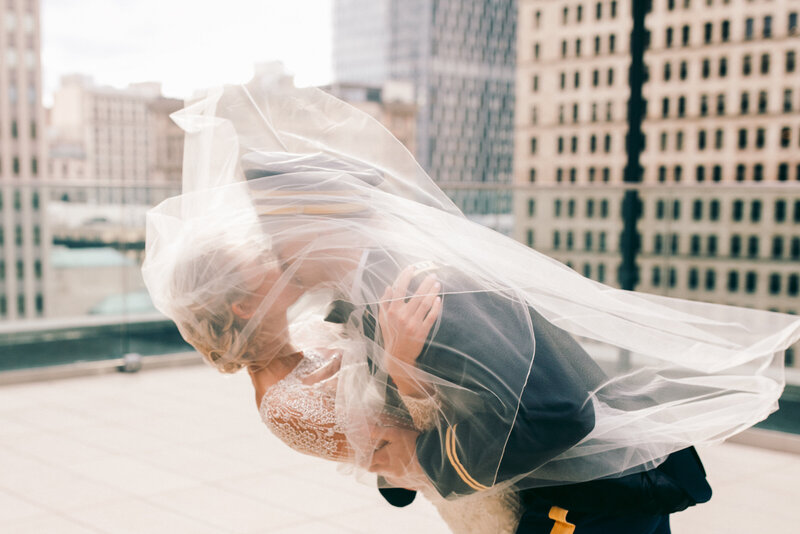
x: 303, y: 414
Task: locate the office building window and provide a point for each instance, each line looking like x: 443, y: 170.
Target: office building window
x: 752, y: 246
x: 764, y: 63
x: 700, y: 173
x: 713, y: 210
x: 697, y: 209
x: 701, y: 140
x: 777, y: 247
x: 751, y: 282
x: 532, y: 175
x: 738, y: 210
x: 529, y: 237
x: 725, y: 31
x: 733, y: 281
x: 793, y: 287
x: 795, y: 248
x: 742, y: 138
x: 747, y: 65
x: 693, y: 278
x: 791, y: 61
x: 531, y: 207
x: 711, y: 279
x: 711, y: 248
x: 783, y: 172
x: 706, y: 69
x: 723, y: 67
x: 787, y: 100
x: 744, y: 104
x: 708, y: 32
x: 767, y: 29
x: 557, y: 207
x: 604, y: 208
x: 667, y: 71
x: 658, y: 244
x: 721, y: 104
x: 774, y: 283
x: 703, y: 105
x: 758, y: 172
x: 755, y: 211
x: 556, y: 240
x: 676, y: 210
x: 749, y: 28
x: 761, y: 135
x: 668, y: 38
x: 685, y: 35
x: 673, y: 277
x: 694, y: 245
x: 763, y: 102
x: 656, y: 276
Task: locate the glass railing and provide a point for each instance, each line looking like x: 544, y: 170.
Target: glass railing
x: 72, y: 290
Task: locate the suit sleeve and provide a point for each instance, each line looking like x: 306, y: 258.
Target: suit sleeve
x: 519, y: 399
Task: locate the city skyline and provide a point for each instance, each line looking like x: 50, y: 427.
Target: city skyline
x: 184, y: 45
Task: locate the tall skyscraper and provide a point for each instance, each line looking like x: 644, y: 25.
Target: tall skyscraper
x: 720, y: 214
x: 460, y: 58
x: 24, y: 242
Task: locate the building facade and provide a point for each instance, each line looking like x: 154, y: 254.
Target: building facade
x: 391, y: 104
x: 460, y: 59
x: 122, y: 140
x: 24, y: 240
x: 720, y: 213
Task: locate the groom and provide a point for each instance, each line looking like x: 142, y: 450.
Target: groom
x: 481, y: 438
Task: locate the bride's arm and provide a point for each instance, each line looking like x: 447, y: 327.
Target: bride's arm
x: 405, y: 324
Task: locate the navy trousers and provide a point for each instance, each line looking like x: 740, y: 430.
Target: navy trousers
x: 556, y: 520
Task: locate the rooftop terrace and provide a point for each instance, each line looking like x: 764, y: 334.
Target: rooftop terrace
x: 182, y: 450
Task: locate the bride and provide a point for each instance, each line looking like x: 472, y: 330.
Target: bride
x: 518, y: 367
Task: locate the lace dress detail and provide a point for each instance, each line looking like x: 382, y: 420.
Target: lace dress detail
x: 302, y: 415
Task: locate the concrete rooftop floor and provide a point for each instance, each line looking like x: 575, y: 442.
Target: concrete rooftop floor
x: 182, y: 450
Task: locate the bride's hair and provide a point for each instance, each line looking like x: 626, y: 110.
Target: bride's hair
x: 204, y: 286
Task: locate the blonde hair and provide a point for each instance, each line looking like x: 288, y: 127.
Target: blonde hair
x: 205, y: 284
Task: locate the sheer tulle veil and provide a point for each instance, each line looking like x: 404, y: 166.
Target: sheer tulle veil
x: 294, y: 187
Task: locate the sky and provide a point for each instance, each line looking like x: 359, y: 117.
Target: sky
x: 185, y: 44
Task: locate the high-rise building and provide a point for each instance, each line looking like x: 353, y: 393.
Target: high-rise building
x: 720, y: 213
x: 24, y: 241
x: 122, y: 141
x: 460, y: 58
x: 391, y: 104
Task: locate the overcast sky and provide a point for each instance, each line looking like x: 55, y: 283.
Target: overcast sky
x: 185, y: 44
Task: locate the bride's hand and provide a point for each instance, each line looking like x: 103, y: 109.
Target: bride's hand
x: 405, y: 324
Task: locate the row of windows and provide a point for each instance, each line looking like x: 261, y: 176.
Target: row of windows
x: 715, y: 173
x: 14, y: 129
x: 39, y: 300
x: 671, y: 243
x: 37, y: 235
x: 703, y: 138
x: 559, y: 205
x: 720, y: 104
x: 776, y: 282
x: 780, y: 210
x: 575, y: 14
x: 759, y: 141
x: 672, y: 209
x: 37, y: 269
x: 16, y: 166
x: 725, y: 30
x: 577, y: 49
x: 588, y: 240
x: 18, y: 201
x: 789, y: 66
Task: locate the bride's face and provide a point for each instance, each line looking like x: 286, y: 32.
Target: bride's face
x: 277, y: 301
